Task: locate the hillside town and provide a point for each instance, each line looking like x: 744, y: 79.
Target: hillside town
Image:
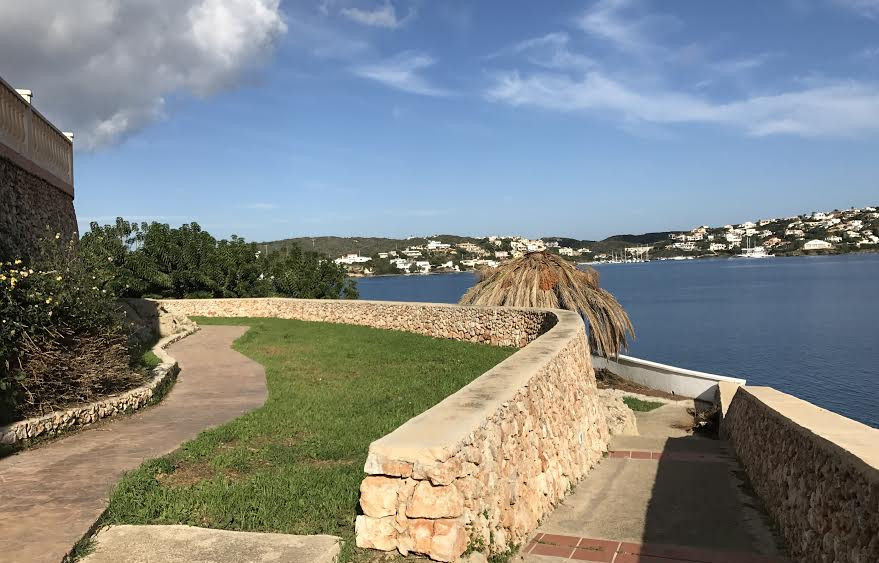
x: 834, y: 232
x: 819, y: 232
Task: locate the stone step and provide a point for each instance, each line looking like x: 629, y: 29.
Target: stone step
x: 690, y: 444
x: 187, y: 544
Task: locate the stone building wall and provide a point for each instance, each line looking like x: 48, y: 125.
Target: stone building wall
x: 484, y: 465
x: 28, y: 206
x: 817, y: 473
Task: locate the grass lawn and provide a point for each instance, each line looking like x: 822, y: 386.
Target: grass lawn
x: 639, y: 405
x: 295, y: 465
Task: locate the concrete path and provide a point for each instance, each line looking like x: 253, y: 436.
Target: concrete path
x: 659, y: 499
x: 50, y: 496
x: 186, y: 544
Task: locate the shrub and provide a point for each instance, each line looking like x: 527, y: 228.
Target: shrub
x: 61, y: 339
x: 155, y: 260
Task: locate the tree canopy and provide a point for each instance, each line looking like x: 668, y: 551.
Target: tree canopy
x: 156, y: 260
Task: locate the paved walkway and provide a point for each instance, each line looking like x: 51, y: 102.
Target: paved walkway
x: 659, y: 499
x: 50, y: 496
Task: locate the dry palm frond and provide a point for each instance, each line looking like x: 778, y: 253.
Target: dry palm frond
x: 540, y: 279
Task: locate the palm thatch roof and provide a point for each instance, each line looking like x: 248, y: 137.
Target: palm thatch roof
x: 541, y: 279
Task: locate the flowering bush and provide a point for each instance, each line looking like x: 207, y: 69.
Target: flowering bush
x: 61, y: 340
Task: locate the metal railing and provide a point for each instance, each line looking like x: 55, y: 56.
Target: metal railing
x: 26, y: 132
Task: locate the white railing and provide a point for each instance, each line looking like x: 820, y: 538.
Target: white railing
x: 30, y: 135
x: 662, y: 377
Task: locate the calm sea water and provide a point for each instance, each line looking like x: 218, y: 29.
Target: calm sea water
x: 808, y: 326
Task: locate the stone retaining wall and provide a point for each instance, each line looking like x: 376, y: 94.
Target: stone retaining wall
x: 484, y: 465
x: 499, y: 326
x: 816, y: 471
x: 82, y: 415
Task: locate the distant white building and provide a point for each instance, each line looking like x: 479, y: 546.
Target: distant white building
x: 552, y: 244
x: 688, y: 246
x: 383, y: 255
x: 468, y: 247
x: 817, y: 245
x: 501, y: 254
x: 352, y: 259
x: 433, y: 245
x: 733, y: 238
x: 423, y: 265
x: 715, y: 246
x: 834, y: 239
x: 411, y: 253
x: 798, y: 233
x: 568, y: 251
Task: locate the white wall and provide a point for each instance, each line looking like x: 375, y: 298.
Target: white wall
x: 671, y: 379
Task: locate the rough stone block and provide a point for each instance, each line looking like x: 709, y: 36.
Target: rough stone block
x: 431, y: 501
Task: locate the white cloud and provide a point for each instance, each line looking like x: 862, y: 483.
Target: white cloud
x: 626, y: 32
x: 866, y: 8
x: 869, y: 53
x: 402, y: 73
x: 833, y: 109
x: 549, y: 51
x: 103, y: 68
x: 382, y: 16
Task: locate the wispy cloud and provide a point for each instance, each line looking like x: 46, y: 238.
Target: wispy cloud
x: 869, y: 53
x: 833, y: 109
x: 866, y: 8
x: 614, y: 22
x: 381, y: 16
x: 263, y: 206
x: 549, y: 51
x: 402, y: 73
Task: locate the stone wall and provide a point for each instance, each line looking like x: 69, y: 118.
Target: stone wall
x: 817, y: 473
x: 161, y: 377
x: 499, y: 326
x: 483, y: 466
x: 28, y: 206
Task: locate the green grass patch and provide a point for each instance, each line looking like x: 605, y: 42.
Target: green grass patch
x: 149, y: 360
x: 295, y: 465
x: 638, y: 405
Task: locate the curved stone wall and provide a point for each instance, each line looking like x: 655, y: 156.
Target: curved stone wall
x: 59, y: 421
x: 484, y: 465
x: 817, y: 473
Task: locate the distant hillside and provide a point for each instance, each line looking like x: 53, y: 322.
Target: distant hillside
x: 646, y: 238
x: 365, y: 246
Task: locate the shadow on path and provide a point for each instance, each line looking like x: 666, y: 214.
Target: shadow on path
x: 660, y: 499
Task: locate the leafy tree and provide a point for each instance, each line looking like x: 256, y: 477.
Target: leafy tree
x: 155, y: 260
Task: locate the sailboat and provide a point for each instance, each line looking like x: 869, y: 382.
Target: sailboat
x: 753, y: 251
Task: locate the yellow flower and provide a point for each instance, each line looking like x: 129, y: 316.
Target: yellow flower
x: 57, y: 236
x: 48, y: 300
x: 24, y: 273
x: 18, y: 261
x: 58, y: 278
x: 2, y: 277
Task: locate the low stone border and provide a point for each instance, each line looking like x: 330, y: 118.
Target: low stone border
x: 21, y: 432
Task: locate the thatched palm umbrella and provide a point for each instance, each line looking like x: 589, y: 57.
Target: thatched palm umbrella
x: 541, y: 279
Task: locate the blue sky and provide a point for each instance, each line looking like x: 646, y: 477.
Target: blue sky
x: 399, y: 118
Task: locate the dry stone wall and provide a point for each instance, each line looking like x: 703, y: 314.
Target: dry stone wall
x: 28, y: 205
x: 498, y: 326
x: 484, y: 465
x: 817, y: 473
